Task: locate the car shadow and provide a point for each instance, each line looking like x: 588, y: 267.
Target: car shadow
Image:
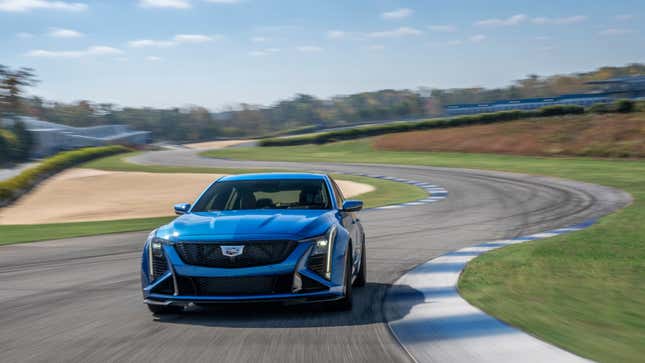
x: 367, y: 309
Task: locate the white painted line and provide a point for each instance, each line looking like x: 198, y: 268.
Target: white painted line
x: 544, y: 235
x: 434, y: 324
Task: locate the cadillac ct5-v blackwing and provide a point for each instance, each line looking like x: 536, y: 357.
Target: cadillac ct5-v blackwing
x: 257, y: 237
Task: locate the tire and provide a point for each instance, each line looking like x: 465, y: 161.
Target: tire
x: 345, y: 303
x: 165, y: 309
x: 361, y: 278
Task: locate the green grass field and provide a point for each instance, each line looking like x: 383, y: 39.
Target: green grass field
x: 385, y: 193
x: 583, y: 291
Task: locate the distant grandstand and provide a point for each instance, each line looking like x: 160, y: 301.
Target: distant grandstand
x: 612, y: 89
x: 52, y: 138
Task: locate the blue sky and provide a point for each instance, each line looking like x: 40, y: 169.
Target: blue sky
x: 215, y: 53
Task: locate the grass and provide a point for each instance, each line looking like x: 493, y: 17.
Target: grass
x: 38, y: 232
x: 583, y: 291
x: 119, y: 163
x: 385, y: 193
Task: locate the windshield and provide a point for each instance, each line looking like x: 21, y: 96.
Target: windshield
x: 265, y: 194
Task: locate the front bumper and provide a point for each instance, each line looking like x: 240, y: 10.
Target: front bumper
x: 288, y: 281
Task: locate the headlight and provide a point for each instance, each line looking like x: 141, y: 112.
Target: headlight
x: 155, y: 251
x: 321, y: 253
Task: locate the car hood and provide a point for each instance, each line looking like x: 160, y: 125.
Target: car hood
x: 248, y: 224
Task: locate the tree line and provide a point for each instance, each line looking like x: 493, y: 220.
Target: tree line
x: 195, y: 123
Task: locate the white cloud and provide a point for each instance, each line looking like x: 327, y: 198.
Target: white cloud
x: 224, y: 1
x: 263, y: 52
x: 24, y: 35
x: 477, y: 38
x: 397, y: 14
x: 336, y: 34
x: 174, y: 41
x: 560, y: 21
x: 103, y: 50
x: 624, y: 17
x: 152, y: 58
x: 64, y: 33
x: 97, y: 50
x: 195, y: 38
x: 376, y: 47
x: 396, y: 33
x: 27, y: 5
x: 510, y: 21
x: 615, y: 31
x: 443, y: 28
x: 173, y: 4
x: 309, y: 49
x: 542, y: 37
x: 149, y: 43
x: 258, y: 39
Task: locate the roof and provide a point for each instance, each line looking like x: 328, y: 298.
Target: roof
x: 272, y: 176
x: 531, y: 100
x: 628, y: 79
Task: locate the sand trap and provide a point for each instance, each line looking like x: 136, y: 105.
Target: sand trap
x: 78, y: 195
x: 220, y: 144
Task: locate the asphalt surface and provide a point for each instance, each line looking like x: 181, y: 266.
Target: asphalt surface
x: 79, y: 299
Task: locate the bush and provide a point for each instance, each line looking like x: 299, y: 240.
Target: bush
x: 625, y: 106
x: 640, y: 106
x: 13, y: 188
x: 367, y: 131
x: 600, y: 108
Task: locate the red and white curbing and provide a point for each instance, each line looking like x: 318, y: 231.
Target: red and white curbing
x: 438, y: 325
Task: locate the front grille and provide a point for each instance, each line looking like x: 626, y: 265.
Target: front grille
x: 159, y: 266
x: 252, y: 285
x: 256, y: 253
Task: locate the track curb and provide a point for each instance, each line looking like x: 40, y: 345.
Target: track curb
x: 435, y: 193
x: 444, y: 325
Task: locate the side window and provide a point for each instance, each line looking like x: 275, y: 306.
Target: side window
x: 337, y: 193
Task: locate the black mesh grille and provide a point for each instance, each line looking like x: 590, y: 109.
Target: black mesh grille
x: 317, y: 264
x: 256, y: 253
x: 159, y: 266
x: 253, y: 285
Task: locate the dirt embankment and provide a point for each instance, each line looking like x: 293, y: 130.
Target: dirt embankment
x: 611, y: 135
x: 79, y: 195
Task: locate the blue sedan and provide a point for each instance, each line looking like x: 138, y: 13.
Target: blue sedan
x: 257, y: 237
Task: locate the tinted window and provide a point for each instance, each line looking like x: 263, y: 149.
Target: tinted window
x: 338, y: 193
x: 265, y: 194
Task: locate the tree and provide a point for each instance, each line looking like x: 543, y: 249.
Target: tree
x: 12, y: 87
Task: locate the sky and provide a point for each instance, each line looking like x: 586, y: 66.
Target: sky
x: 218, y: 53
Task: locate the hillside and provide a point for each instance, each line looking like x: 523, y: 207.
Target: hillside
x: 604, y: 135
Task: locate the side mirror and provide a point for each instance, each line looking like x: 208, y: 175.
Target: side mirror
x: 352, y: 205
x: 182, y: 208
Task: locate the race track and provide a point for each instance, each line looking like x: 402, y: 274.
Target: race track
x: 79, y: 299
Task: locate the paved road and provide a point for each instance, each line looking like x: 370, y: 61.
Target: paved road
x: 10, y: 173
x: 79, y: 300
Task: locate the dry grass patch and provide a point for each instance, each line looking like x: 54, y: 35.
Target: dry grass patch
x: 609, y: 135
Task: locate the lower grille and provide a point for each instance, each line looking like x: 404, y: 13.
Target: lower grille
x: 316, y: 264
x: 256, y: 253
x: 254, y: 285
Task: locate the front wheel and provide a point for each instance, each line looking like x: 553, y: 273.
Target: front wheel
x: 345, y: 303
x: 361, y: 278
